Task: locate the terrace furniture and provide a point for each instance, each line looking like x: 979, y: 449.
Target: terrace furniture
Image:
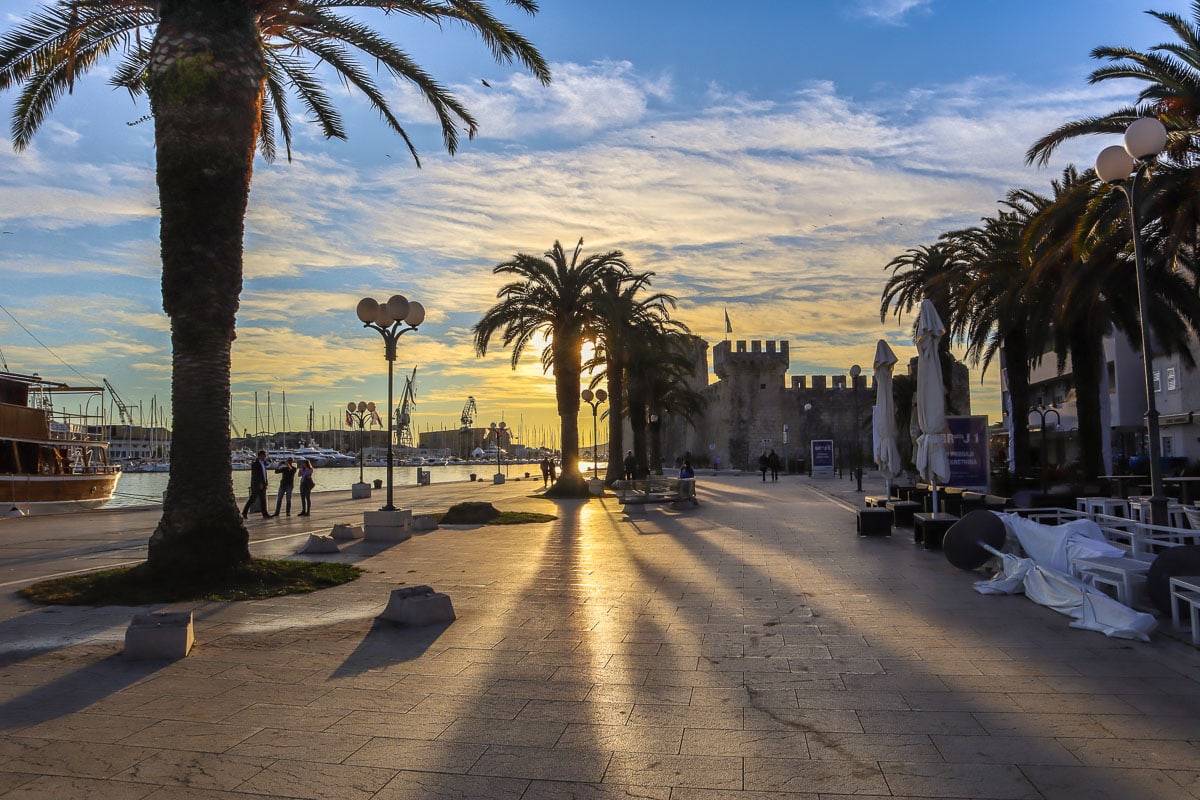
x: 930, y: 529
x: 1126, y: 576
x: 875, y: 521
x: 903, y: 511
x: 1185, y: 589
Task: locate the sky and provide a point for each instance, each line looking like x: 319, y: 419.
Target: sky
x: 767, y: 164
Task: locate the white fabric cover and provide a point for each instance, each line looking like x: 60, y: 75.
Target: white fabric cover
x: 1056, y: 546
x: 1050, y: 586
x: 883, y: 419
x: 933, y: 460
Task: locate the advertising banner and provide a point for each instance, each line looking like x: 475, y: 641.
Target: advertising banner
x: 969, y: 452
x: 822, y: 456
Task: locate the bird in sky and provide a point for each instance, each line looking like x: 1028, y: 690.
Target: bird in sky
x: 485, y: 83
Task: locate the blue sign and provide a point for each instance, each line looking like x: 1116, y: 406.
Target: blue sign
x: 822, y: 456
x: 969, y: 452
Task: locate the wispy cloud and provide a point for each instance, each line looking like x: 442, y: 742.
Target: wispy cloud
x: 892, y: 12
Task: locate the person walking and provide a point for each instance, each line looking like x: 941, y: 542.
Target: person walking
x: 306, y: 486
x: 773, y: 463
x: 546, y: 467
x: 258, y: 486
x: 764, y: 465
x: 630, y: 466
x: 286, y: 483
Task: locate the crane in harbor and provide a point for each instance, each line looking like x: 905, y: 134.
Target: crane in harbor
x: 125, y: 412
x: 468, y: 414
x: 404, y: 434
x: 465, y: 445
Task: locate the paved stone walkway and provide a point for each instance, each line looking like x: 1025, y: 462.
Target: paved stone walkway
x: 752, y: 648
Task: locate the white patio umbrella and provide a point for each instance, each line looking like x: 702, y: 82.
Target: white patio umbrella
x: 933, y: 460
x: 883, y: 421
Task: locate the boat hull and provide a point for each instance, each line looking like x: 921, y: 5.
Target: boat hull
x: 50, y: 494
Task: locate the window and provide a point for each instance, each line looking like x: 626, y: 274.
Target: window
x: 1157, y: 382
x: 1171, y: 379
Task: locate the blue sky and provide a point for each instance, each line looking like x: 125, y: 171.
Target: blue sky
x: 770, y: 162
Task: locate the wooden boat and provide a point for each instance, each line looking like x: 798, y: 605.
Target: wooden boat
x: 51, y: 459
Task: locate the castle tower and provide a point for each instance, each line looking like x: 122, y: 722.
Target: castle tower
x: 749, y: 415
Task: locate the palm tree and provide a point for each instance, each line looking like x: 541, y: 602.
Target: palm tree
x: 621, y: 311
x: 670, y: 393
x: 218, y: 74
x: 995, y: 311
x: 936, y: 272
x: 1170, y: 74
x: 554, y: 297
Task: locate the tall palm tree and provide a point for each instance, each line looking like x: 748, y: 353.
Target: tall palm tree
x: 553, y: 297
x: 622, y: 309
x: 936, y: 272
x: 995, y: 312
x: 218, y: 74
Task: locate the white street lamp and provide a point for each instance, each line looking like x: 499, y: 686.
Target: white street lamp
x: 1123, y: 167
x: 855, y: 371
x: 390, y: 319
x: 594, y: 399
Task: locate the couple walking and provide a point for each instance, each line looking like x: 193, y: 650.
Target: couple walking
x: 289, y: 470
x: 769, y: 462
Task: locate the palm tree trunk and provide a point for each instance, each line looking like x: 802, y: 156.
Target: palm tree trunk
x: 568, y: 366
x: 1087, y: 359
x: 1016, y: 364
x: 205, y: 85
x: 616, y: 422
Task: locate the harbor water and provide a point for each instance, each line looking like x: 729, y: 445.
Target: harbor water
x: 146, y: 488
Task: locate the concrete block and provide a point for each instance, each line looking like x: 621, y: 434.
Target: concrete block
x: 387, y: 526
x: 319, y: 543
x: 360, y: 491
x: 346, y: 530
x: 160, y: 635
x: 498, y: 478
x: 416, y: 606
x: 424, y: 522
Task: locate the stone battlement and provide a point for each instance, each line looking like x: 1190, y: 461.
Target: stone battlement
x: 829, y: 382
x: 737, y: 353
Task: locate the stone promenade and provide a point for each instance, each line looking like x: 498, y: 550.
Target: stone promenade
x: 752, y: 648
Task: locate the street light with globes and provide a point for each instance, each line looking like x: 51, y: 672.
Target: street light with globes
x: 1124, y: 167
x: 392, y: 320
x: 594, y: 399
x: 362, y: 412
x: 497, y: 433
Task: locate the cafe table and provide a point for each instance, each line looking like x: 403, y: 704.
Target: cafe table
x: 1121, y: 482
x: 1186, y: 486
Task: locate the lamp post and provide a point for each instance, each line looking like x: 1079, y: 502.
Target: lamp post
x: 594, y: 399
x: 808, y: 437
x: 497, y: 433
x: 392, y: 320
x: 361, y: 412
x: 786, y: 471
x: 1123, y: 167
x: 855, y: 371
x: 1044, y: 411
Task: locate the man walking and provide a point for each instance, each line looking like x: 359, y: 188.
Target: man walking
x: 258, y: 486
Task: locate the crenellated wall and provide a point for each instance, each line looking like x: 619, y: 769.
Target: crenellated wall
x: 754, y: 398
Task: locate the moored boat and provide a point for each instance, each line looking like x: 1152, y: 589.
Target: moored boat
x: 50, y: 459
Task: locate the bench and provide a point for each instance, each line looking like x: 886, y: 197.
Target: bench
x: 676, y: 491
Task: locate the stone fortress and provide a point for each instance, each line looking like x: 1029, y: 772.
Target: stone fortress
x: 754, y: 399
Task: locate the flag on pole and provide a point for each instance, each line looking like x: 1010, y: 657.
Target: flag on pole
x: 376, y: 419
x: 349, y: 419
x: 728, y: 327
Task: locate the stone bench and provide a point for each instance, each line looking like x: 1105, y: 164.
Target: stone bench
x: 657, y: 490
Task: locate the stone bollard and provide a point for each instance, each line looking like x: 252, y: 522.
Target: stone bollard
x: 346, y: 530
x: 319, y: 543
x: 159, y: 634
x: 417, y: 606
x: 424, y: 522
x: 387, y: 526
